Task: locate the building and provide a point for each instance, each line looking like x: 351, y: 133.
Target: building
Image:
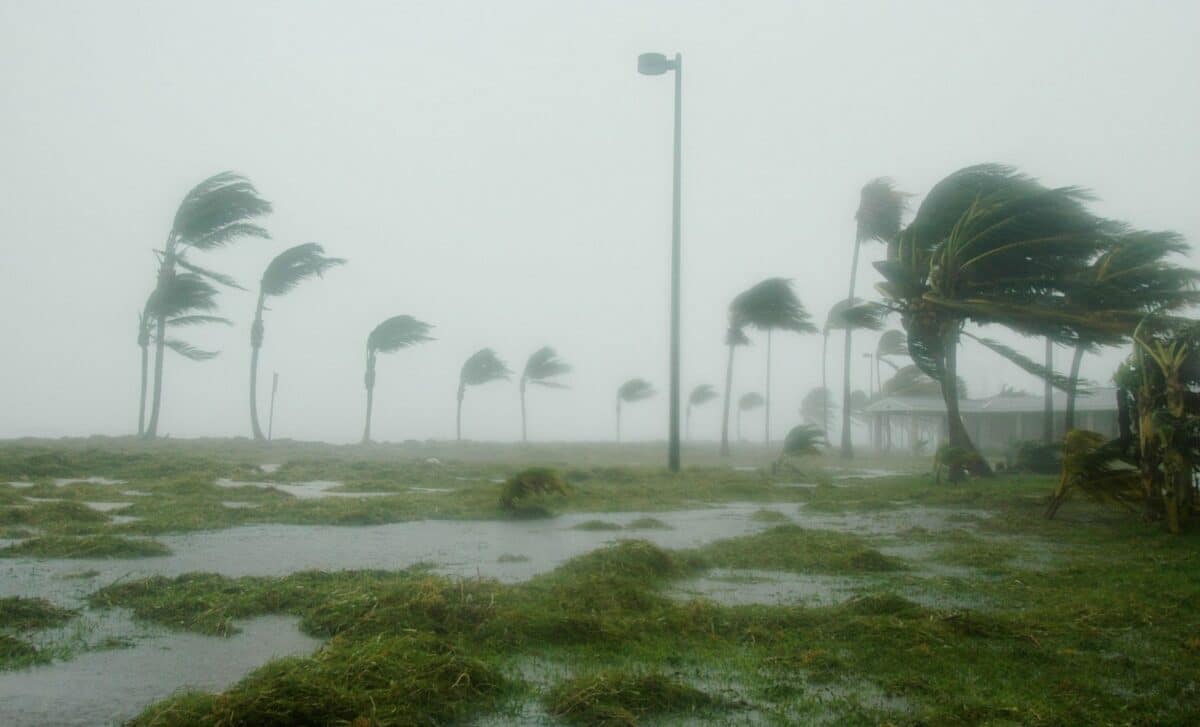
x: 994, y: 423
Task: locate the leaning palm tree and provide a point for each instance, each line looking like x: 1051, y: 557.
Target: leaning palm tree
x: 215, y: 213
x: 734, y: 337
x: 481, y: 367
x: 289, y: 268
x: 805, y: 440
x: 540, y: 370
x: 880, y: 210
x: 769, y: 306
x: 630, y: 392
x: 847, y: 315
x: 700, y: 396
x: 747, y: 402
x: 184, y: 301
x: 390, y: 336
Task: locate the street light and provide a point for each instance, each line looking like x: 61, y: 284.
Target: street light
x: 656, y: 64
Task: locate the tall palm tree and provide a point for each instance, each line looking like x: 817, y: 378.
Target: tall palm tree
x: 769, y: 306
x: 747, y: 402
x: 541, y: 369
x: 481, y: 367
x: 289, y: 268
x: 880, y: 210
x: 215, y: 213
x: 734, y: 337
x: 390, y: 336
x: 184, y: 301
x: 700, y: 396
x: 632, y: 391
x: 847, y: 315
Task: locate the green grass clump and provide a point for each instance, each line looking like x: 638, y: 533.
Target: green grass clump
x: 512, y: 558
x: 88, y: 546
x: 387, y: 680
x: 533, y: 482
x: 51, y: 513
x: 769, y: 516
x: 648, y: 523
x: 15, y: 653
x: 798, y: 550
x: 596, y: 525
x: 621, y: 698
x: 26, y: 614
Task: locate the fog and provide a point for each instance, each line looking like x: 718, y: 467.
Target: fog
x: 501, y: 171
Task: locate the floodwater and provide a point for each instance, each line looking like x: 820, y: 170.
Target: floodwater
x: 314, y: 490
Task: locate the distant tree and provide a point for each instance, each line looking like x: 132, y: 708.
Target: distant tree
x: 734, y: 337
x: 630, y: 392
x: 184, y: 301
x: 289, y: 268
x: 540, y: 370
x: 880, y: 211
x: 215, y: 213
x: 747, y: 402
x: 814, y: 408
x: 700, y: 396
x: 388, y: 337
x: 848, y: 315
x: 480, y: 368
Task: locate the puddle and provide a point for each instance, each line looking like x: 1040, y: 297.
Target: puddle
x: 733, y: 587
x: 123, y: 519
x: 108, y: 506
x: 801, y: 485
x: 44, y: 499
x: 238, y: 505
x: 431, y: 490
x: 63, y: 481
x: 869, y: 474
x: 110, y: 687
x: 135, y: 493
x: 269, y: 469
x: 20, y: 484
x: 302, y: 490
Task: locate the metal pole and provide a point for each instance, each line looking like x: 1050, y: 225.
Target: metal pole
x: 271, y: 416
x: 673, y: 445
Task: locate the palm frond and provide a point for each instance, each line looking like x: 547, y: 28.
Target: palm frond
x: 189, y: 351
x: 543, y: 365
x: 736, y: 336
x: 398, y: 332
x: 294, y: 265
x: 804, y: 440
x: 1057, y: 380
x: 816, y: 405
x: 750, y: 400
x: 197, y: 320
x: 221, y: 278
x: 892, y: 343
x: 180, y: 295
x: 880, y: 210
x: 218, y: 210
x: 635, y: 390
x: 701, y: 395
x: 770, y: 304
x: 856, y: 314
x: 481, y: 367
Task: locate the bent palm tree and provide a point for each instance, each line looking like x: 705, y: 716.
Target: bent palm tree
x: 769, y: 306
x: 802, y: 441
x: 543, y: 366
x: 734, y: 337
x: 630, y: 392
x: 213, y: 214
x: 481, y: 367
x: 880, y: 210
x: 700, y: 396
x: 390, y: 336
x: 747, y: 402
x: 283, y: 274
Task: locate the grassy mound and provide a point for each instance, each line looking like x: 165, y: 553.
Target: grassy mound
x: 88, y: 546
x: 621, y: 698
x: 795, y: 549
x: 648, y: 523
x: 15, y: 651
x: 386, y: 680
x: 26, y: 614
x: 51, y: 513
x: 596, y: 525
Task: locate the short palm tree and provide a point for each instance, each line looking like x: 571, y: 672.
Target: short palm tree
x: 734, y: 337
x: 390, y: 336
x: 700, y: 396
x: 480, y: 368
x: 769, y: 306
x: 184, y: 301
x: 631, y: 392
x: 805, y: 440
x: 289, y: 268
x: 540, y: 370
x: 215, y: 213
x: 747, y: 402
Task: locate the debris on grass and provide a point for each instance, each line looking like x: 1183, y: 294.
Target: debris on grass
x: 798, y: 550
x: 88, y: 546
x: 618, y: 697
x: 28, y: 614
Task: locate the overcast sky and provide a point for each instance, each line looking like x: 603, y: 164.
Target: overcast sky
x: 500, y: 170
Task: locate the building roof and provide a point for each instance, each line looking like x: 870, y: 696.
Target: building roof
x: 1100, y: 399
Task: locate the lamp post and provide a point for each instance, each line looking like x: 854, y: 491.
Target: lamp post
x: 656, y: 64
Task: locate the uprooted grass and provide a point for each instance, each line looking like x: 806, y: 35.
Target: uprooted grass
x: 618, y: 697
x: 83, y: 547
x: 798, y: 550
x: 27, y: 614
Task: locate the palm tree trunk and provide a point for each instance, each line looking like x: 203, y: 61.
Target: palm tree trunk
x: 618, y: 420
x: 825, y: 387
x: 524, y: 435
x: 956, y: 432
x: 256, y: 339
x: 458, y: 416
x: 166, y: 272
x: 1048, y: 392
x: 145, y: 346
x: 739, y: 424
x: 1069, y: 420
x: 687, y: 427
x: 369, y: 383
x: 767, y: 409
x: 847, y: 445
x: 728, y: 393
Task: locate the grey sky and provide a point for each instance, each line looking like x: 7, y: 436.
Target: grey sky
x: 501, y: 171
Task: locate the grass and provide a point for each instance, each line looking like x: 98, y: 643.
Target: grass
x: 617, y: 697
x: 28, y: 614
x: 596, y: 525
x: 87, y: 546
x: 798, y: 550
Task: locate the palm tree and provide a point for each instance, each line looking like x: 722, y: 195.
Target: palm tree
x: 213, y: 214
x: 802, y: 441
x: 847, y: 315
x: 769, y: 306
x: 632, y: 391
x: 747, y: 402
x: 700, y: 396
x: 283, y: 274
x: 880, y: 210
x: 184, y: 301
x: 390, y: 336
x: 481, y: 367
x: 734, y: 337
x: 890, y: 344
x: 540, y: 370
x: 814, y: 408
